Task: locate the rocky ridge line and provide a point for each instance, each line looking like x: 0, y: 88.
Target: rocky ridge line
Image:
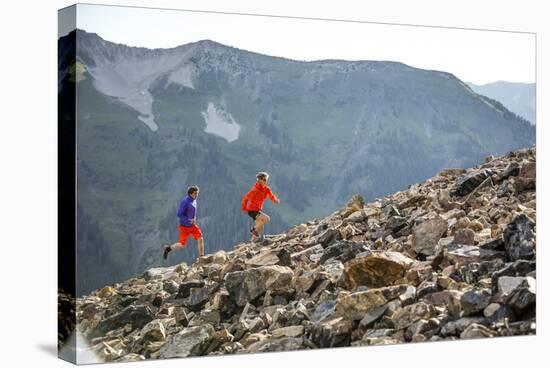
x: 451, y: 258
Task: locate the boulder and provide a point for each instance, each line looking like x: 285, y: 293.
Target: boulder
x: 135, y: 315
x: 499, y: 313
x: 264, y: 258
x: 373, y: 315
x: 377, y: 269
x: 354, y: 306
x: 528, y: 170
x: 427, y: 234
x: 396, y: 223
x: 475, y: 301
x: 455, y: 328
x: 327, y: 236
x: 523, y: 297
x: 277, y: 279
x: 470, y: 181
x: 343, y: 251
x: 508, y: 284
x: 323, y: 310
x: 519, y: 238
x: 197, y: 298
x: 185, y: 288
x: 277, y: 344
x: 289, y: 331
x: 191, y: 341
x: 244, y: 286
x: 471, y: 273
x: 356, y: 216
x: 464, y: 236
x: 306, y: 253
x: 406, y: 316
x: 511, y: 170
x: 153, y: 331
x: 459, y: 254
x: 331, y: 333
x: 476, y: 331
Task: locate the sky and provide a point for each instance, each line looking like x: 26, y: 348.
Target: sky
x: 477, y: 56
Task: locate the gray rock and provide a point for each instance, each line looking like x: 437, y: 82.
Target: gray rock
x: 170, y: 286
x: 396, y: 223
x: 498, y: 313
x: 373, y: 315
x: 326, y: 237
x: 356, y: 216
x: 511, y: 170
x: 136, y: 315
x: 519, y: 238
x: 507, y: 284
x: 323, y: 310
x: 153, y: 331
x: 390, y: 211
x: 424, y: 327
x: 406, y: 316
x: 476, y: 331
x: 289, y: 331
x: 343, y: 251
x: 426, y: 287
x: 475, y: 301
x: 331, y: 333
x: 409, y: 296
x: 244, y: 286
x: 427, y: 234
x: 460, y: 254
x: 264, y: 258
x: 274, y: 344
x: 307, y: 252
x: 191, y: 341
x: 464, y: 236
x: 455, y: 328
x: 185, y: 288
x: 468, y: 182
x: 523, y: 297
x: 206, y: 316
x: 473, y: 272
x: 518, y: 268
x: 528, y: 170
x: 197, y: 298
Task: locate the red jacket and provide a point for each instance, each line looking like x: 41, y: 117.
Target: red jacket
x: 254, y: 199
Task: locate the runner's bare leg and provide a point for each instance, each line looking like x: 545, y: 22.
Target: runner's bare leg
x: 200, y: 244
x: 176, y: 246
x: 261, y: 220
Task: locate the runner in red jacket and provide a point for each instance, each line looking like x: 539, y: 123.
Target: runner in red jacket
x: 253, y: 200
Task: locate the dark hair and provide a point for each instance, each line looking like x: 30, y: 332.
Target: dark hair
x: 192, y: 189
x: 262, y: 175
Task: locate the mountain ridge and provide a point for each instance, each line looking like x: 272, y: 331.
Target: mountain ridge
x: 149, y: 127
x: 451, y: 258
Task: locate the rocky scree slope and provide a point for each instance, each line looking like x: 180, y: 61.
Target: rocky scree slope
x: 451, y: 258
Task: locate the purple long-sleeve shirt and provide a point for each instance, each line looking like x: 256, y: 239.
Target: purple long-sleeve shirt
x: 187, y: 211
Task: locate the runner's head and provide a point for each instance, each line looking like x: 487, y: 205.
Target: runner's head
x: 262, y: 177
x: 193, y: 191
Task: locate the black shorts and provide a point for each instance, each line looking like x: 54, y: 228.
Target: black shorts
x: 254, y: 214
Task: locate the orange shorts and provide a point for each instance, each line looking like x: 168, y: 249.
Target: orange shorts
x: 185, y: 231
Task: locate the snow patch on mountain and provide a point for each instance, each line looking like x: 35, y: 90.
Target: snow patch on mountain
x: 129, y: 76
x: 183, y: 76
x: 220, y: 122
